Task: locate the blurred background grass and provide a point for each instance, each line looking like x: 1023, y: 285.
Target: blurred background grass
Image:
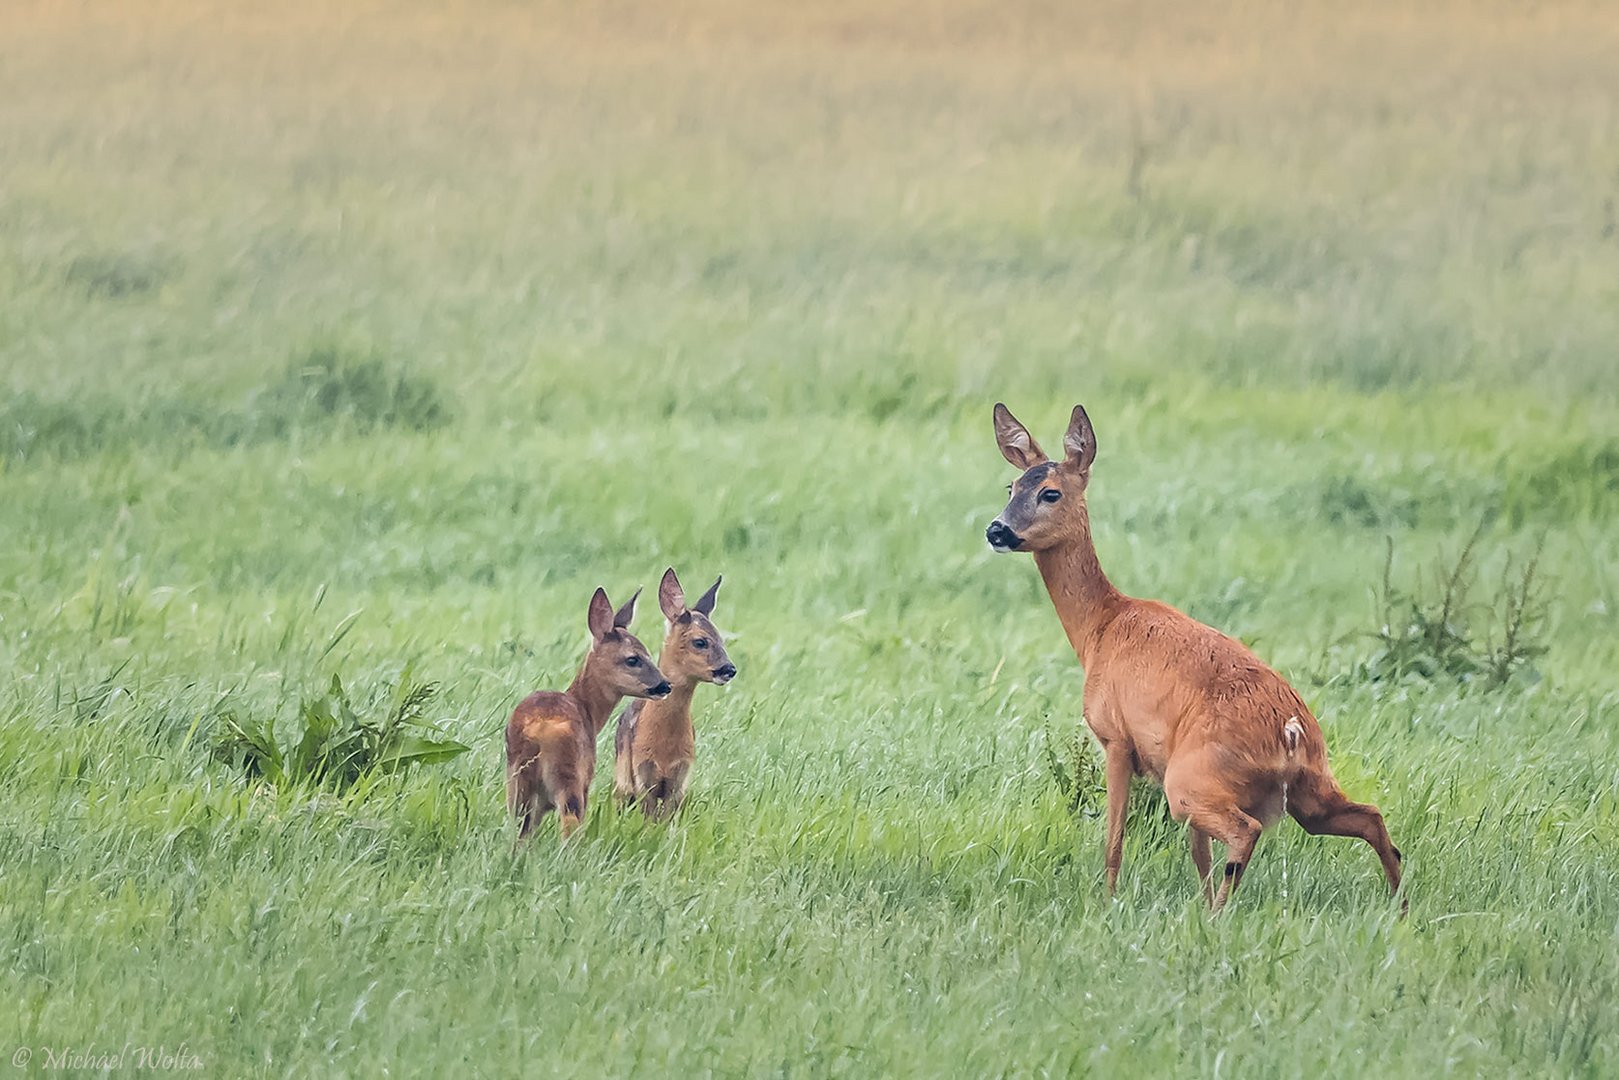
x: 445, y: 314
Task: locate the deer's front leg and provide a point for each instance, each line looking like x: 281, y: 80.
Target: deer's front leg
x: 1119, y: 771
x: 1201, y: 860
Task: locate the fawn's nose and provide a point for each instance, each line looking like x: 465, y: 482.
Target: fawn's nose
x: 725, y: 673
x: 1001, y: 537
x: 660, y: 691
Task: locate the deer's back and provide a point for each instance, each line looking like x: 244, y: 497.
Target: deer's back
x: 544, y: 721
x: 1173, y: 685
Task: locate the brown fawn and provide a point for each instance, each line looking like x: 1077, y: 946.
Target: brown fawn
x: 1231, y: 743
x: 551, y: 737
x: 655, y: 744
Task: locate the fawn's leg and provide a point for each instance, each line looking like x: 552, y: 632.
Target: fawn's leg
x: 573, y: 813
x: 648, y: 787
x: 524, y: 800
x: 623, y: 778
x: 674, y: 788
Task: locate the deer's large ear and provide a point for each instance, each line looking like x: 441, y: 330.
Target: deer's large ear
x: 705, y: 603
x: 1080, y: 441
x: 1016, y: 444
x: 622, y: 617
x: 671, y: 598
x: 600, y: 619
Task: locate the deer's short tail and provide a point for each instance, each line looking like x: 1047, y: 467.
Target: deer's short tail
x: 1292, y: 733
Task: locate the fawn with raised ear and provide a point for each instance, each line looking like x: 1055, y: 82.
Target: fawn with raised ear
x: 1231, y: 743
x: 655, y: 743
x: 551, y: 737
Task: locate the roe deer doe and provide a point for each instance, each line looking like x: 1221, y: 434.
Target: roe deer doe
x: 1167, y: 697
x: 551, y: 737
x: 655, y: 744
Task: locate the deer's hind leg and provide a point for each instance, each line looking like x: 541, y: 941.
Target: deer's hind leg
x: 1239, y: 833
x: 525, y: 799
x: 565, y: 785
x: 1322, y: 808
x: 1196, y: 795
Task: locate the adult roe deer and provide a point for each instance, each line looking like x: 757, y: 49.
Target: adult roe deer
x: 655, y: 744
x: 1231, y: 743
x: 551, y: 737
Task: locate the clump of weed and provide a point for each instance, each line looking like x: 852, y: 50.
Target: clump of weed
x: 1513, y: 641
x: 334, y: 745
x: 1072, y: 765
x: 1439, y: 630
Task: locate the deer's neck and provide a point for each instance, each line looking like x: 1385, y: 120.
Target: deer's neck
x: 596, y: 699
x: 678, y: 703
x: 1083, y: 596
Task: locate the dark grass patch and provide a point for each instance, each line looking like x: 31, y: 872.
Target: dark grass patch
x: 34, y: 428
x: 324, y: 392
x: 1581, y: 482
x: 328, y: 387
x: 117, y: 276
x: 1347, y: 500
x: 1390, y: 503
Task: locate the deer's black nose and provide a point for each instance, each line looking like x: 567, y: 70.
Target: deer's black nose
x: 660, y: 691
x: 1001, y: 537
x: 725, y: 673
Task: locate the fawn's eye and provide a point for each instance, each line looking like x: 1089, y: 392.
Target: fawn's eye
x: 632, y: 661
x: 699, y: 643
x: 1050, y: 495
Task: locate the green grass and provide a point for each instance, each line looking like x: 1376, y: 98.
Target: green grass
x: 332, y: 345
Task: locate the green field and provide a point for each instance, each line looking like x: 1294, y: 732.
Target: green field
x: 336, y: 341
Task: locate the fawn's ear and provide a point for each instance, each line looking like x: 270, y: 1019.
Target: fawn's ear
x: 705, y: 603
x: 600, y: 619
x: 1080, y: 441
x: 1016, y: 443
x: 671, y: 599
x: 622, y: 617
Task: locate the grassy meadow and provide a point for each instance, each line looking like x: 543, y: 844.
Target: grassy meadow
x: 341, y: 340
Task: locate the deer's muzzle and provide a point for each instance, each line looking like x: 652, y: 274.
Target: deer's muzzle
x: 1001, y: 537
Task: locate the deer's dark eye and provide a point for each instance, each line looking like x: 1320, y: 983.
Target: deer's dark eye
x: 632, y: 661
x: 1050, y: 495
x: 699, y: 643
